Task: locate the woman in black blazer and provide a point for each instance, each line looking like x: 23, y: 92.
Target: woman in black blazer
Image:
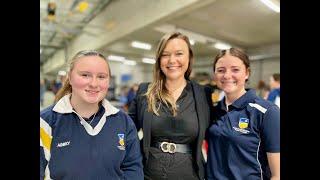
x: 173, y: 113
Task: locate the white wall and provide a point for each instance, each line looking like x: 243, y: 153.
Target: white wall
x: 262, y: 70
x: 140, y: 73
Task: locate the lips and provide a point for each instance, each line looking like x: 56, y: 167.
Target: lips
x: 228, y: 82
x: 92, y: 91
x: 173, y: 67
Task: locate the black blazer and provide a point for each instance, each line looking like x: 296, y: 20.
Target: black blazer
x: 138, y: 111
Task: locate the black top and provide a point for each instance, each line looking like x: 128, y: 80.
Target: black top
x: 189, y: 163
x: 182, y: 128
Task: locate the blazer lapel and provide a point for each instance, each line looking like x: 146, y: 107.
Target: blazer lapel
x: 147, y: 117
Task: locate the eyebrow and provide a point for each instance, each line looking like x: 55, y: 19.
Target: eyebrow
x: 106, y: 73
x: 180, y: 50
x: 83, y: 71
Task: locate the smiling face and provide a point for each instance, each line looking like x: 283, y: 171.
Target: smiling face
x: 89, y: 79
x: 231, y: 74
x: 174, y: 60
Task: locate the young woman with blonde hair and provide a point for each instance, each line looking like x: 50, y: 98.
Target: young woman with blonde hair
x: 83, y: 136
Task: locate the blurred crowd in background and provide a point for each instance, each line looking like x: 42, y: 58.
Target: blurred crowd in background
x: 126, y: 93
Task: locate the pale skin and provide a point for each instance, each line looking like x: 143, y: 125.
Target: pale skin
x: 89, y: 80
x: 273, y: 84
x: 274, y: 163
x: 230, y: 75
x: 174, y: 63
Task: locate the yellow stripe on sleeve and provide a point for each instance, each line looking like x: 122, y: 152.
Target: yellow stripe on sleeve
x: 46, y: 139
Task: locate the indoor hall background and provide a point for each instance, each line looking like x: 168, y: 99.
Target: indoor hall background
x: 112, y: 27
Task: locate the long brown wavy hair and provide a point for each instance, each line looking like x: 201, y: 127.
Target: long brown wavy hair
x: 157, y: 91
x: 66, y: 88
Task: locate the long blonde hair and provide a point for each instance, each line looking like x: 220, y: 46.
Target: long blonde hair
x: 157, y: 92
x: 66, y: 88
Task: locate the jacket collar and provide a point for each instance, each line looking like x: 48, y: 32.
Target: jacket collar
x: 241, y: 102
x: 64, y: 106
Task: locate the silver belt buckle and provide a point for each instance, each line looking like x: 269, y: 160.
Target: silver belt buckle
x: 168, y: 147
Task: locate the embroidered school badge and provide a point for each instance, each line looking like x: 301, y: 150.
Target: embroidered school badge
x: 243, y: 123
x: 121, y: 142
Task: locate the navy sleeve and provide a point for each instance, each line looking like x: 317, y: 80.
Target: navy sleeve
x: 271, y: 129
x: 45, y: 144
x: 43, y: 163
x: 132, y: 163
x: 272, y: 96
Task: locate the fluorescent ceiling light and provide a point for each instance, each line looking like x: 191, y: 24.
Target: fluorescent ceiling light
x: 115, y: 58
x: 62, y: 73
x: 141, y: 45
x: 272, y: 5
x: 222, y: 46
x: 129, y: 62
x: 40, y: 50
x: 148, y: 60
x: 192, y: 42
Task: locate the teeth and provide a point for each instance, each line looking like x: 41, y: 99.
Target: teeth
x: 173, y: 67
x: 92, y: 91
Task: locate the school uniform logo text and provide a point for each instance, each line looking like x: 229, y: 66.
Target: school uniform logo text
x: 62, y: 144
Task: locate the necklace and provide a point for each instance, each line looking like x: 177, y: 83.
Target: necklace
x: 178, y: 88
x: 93, y: 118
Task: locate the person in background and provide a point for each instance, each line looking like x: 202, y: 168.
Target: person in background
x: 58, y: 83
x: 262, y: 89
x: 274, y: 95
x: 48, y: 97
x: 122, y: 98
x: 244, y: 138
x: 42, y: 91
x: 173, y: 113
x: 132, y: 93
x: 82, y: 136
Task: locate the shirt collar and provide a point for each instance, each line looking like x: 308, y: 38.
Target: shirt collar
x: 64, y: 106
x: 186, y: 90
x: 241, y: 102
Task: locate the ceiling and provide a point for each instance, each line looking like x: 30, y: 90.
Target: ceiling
x: 71, y: 16
x: 248, y: 24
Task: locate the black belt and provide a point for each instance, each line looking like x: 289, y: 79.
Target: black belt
x: 172, y: 147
